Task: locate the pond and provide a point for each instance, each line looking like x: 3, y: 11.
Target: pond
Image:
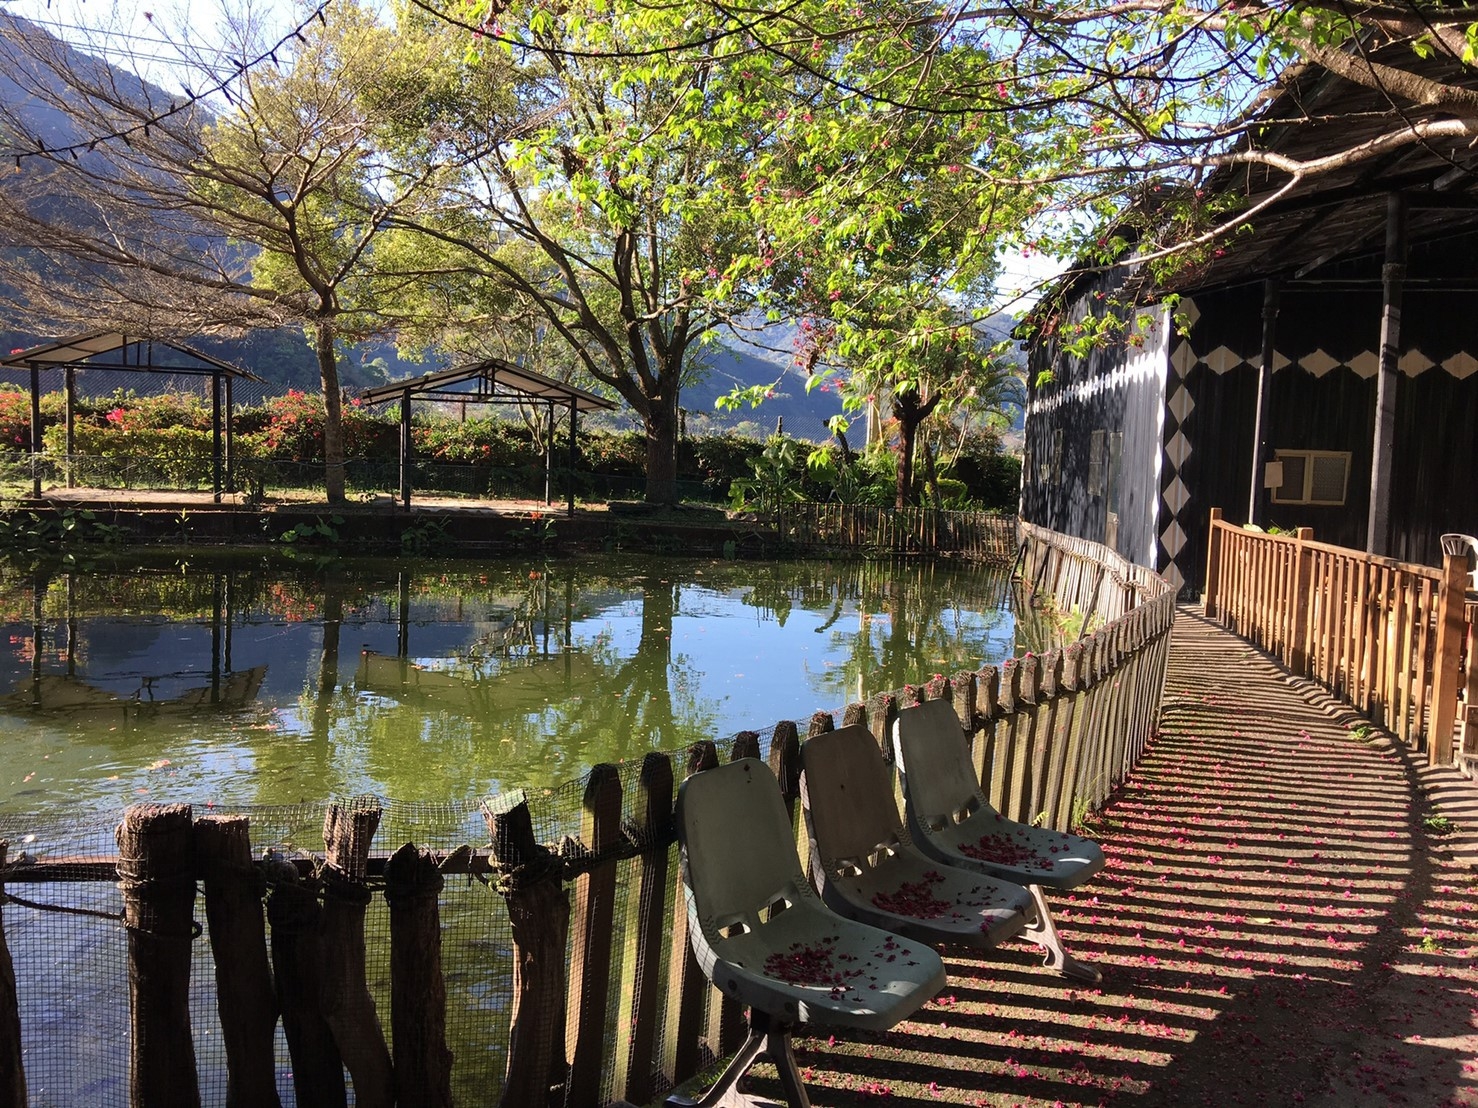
x: 266, y: 680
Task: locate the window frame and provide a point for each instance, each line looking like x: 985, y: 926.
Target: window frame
x: 1309, y: 457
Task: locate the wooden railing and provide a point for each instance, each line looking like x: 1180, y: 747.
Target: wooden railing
x: 601, y: 1008
x: 1386, y: 637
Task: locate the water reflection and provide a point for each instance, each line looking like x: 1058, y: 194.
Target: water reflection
x: 270, y: 681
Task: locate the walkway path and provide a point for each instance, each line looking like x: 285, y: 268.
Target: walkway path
x: 1282, y: 923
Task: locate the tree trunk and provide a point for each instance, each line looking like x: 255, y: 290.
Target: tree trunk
x: 907, y: 429
x: 661, y: 428
x: 333, y: 412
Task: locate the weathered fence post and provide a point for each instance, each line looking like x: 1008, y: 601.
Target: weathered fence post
x: 293, y: 911
x: 590, y: 965
x: 344, y: 994
x: 1450, y: 628
x: 684, y: 1022
x: 423, y: 1063
x: 12, y: 1072
x: 238, y: 941
x: 1213, y: 565
x: 539, y: 914
x: 1298, y: 639
x: 636, y: 1032
x: 156, y: 867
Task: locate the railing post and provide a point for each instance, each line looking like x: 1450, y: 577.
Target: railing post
x: 1450, y: 597
x: 12, y: 1073
x: 1213, y: 563
x: 590, y: 965
x: 1298, y: 633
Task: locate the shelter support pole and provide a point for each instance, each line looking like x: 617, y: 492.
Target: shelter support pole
x: 1257, y: 495
x: 217, y: 467
x: 574, y: 417
x: 548, y: 453
x: 1393, y: 281
x: 70, y: 395
x: 230, y: 438
x: 405, y: 449
x: 35, y: 429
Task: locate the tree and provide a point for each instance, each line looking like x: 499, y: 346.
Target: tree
x: 155, y: 216
x: 599, y: 200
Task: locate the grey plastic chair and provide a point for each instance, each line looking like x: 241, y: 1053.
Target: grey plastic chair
x: 952, y: 821
x: 1467, y: 546
x: 764, y: 937
x: 865, y: 863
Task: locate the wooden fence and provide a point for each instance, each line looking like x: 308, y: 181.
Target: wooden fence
x: 598, y: 1014
x: 1386, y: 637
x: 985, y: 536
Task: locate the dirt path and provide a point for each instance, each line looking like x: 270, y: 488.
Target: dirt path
x: 1282, y: 922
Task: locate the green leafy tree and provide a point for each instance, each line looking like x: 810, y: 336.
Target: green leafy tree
x: 597, y: 207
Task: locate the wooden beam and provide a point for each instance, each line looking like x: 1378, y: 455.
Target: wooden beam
x: 1377, y: 532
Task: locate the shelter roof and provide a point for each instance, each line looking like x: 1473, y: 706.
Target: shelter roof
x: 487, y: 381
x: 80, y: 350
x: 1339, y: 214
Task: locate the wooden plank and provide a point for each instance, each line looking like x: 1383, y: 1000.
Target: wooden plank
x: 12, y: 1068
x: 1450, y: 631
x: 539, y: 914
x: 423, y: 1061
x: 156, y: 867
x: 590, y: 962
x: 245, y: 1000
x: 636, y: 1024
x: 344, y: 996
x: 686, y: 990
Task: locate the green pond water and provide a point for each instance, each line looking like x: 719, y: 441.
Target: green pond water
x: 263, y: 680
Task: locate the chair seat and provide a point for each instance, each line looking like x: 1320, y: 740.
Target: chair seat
x: 808, y: 966
x: 868, y: 869
x: 989, y: 843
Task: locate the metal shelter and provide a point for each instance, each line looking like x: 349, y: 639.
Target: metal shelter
x: 109, y: 351
x: 492, y: 381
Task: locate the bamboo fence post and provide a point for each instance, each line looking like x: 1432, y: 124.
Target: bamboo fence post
x: 238, y: 940
x: 539, y: 915
x: 1298, y: 647
x: 344, y: 993
x: 293, y: 911
x: 882, y: 710
x: 1213, y: 566
x: 590, y: 978
x: 785, y: 762
x: 636, y: 1035
x: 423, y: 1061
x: 156, y: 867
x: 683, y: 1028
x: 1450, y: 629
x: 985, y: 750
x: 12, y: 1071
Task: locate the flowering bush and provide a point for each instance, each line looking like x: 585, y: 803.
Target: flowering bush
x: 15, y: 418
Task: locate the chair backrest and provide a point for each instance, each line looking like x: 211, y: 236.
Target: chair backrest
x: 848, y: 793
x: 738, y: 847
x: 1466, y: 545
x: 934, y: 757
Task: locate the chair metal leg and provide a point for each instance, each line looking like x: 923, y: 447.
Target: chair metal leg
x: 766, y: 1036
x: 1043, y: 931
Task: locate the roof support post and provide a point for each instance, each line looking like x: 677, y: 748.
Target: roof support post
x: 1257, y: 495
x: 230, y: 438
x: 549, y: 453
x: 405, y: 449
x: 570, y: 477
x: 217, y: 454
x: 1393, y: 281
x: 35, y: 430
x: 69, y: 377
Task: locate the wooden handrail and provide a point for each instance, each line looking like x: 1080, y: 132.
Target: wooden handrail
x: 1385, y: 636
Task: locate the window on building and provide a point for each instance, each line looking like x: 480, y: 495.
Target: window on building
x: 1097, y: 451
x: 1313, y: 477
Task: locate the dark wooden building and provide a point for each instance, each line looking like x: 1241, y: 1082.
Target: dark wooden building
x: 1267, y: 358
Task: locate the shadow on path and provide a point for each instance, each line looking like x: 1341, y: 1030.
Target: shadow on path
x: 1280, y: 924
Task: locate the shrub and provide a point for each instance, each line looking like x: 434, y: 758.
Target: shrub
x: 15, y: 418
